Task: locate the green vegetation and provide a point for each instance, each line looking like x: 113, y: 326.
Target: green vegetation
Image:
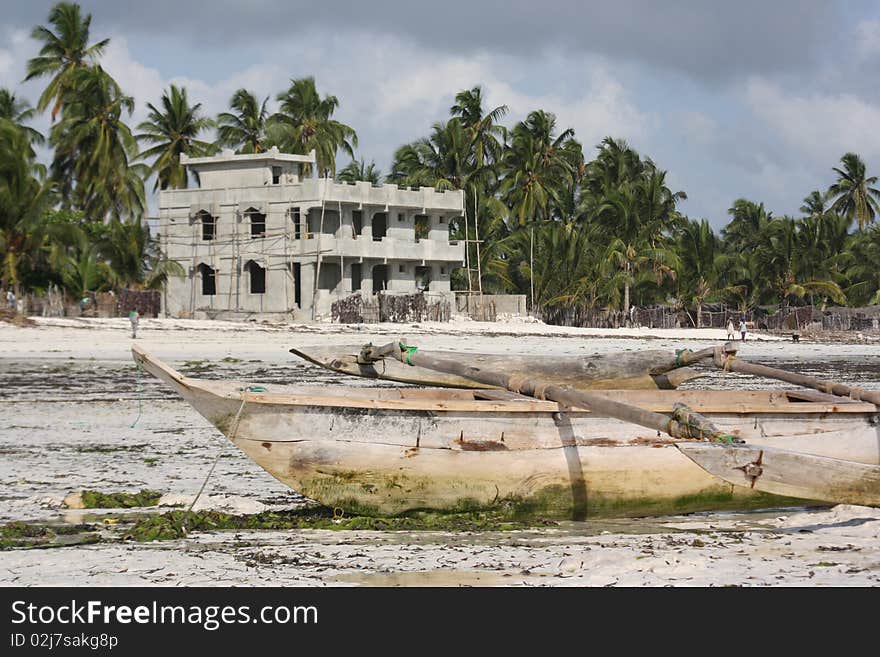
x: 175, y: 524
x: 92, y: 499
x: 572, y: 233
x: 26, y: 535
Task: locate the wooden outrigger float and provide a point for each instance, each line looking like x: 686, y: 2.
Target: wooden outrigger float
x: 391, y: 450
x: 643, y: 370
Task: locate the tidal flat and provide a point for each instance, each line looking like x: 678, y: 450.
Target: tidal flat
x: 75, y: 415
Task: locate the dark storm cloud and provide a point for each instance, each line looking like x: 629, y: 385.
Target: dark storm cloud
x: 710, y: 41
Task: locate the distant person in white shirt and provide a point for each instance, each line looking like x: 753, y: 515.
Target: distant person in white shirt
x: 133, y: 317
x: 742, y: 329
x: 731, y: 331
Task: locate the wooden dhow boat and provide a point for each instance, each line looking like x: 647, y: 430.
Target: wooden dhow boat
x: 386, y: 451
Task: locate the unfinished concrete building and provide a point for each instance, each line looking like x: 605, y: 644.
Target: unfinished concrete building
x: 255, y: 237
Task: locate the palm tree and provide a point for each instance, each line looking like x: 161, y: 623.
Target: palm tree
x: 486, y: 135
x: 617, y: 164
x: 24, y: 197
x: 440, y: 160
x: 538, y: 167
x: 748, y: 221
x: 18, y: 112
x: 245, y: 128
x: 776, y: 258
x: 359, y: 170
x: 64, y: 52
x: 853, y: 193
x: 134, y: 257
x: 303, y: 123
x: 698, y: 249
x: 94, y: 148
x: 862, y: 261
x: 174, y: 130
x: 82, y: 269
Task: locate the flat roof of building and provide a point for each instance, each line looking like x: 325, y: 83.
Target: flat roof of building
x: 272, y: 155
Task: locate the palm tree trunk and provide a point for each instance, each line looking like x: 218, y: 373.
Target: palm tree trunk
x: 700, y: 315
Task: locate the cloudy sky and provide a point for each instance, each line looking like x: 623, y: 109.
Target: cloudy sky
x: 750, y: 98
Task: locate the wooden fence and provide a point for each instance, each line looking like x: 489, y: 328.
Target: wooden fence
x: 148, y: 303
x: 382, y: 307
x: 792, y: 318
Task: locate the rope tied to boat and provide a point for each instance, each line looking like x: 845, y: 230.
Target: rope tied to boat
x: 232, y: 434
x: 515, y: 383
x: 678, y: 356
x: 139, y: 390
x: 407, y: 352
x: 690, y: 424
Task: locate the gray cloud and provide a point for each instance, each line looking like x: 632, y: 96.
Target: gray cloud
x: 706, y: 41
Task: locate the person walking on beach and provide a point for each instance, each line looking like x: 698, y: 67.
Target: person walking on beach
x: 10, y: 299
x: 133, y: 317
x: 742, y: 329
x: 731, y: 331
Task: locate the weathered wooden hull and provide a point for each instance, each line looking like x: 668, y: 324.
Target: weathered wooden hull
x: 388, y: 451
x: 620, y: 371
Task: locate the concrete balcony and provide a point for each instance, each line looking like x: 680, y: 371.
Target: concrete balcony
x: 387, y: 248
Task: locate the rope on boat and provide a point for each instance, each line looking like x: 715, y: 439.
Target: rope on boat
x: 678, y: 355
x: 408, y: 352
x: 139, y: 388
x: 232, y: 435
x: 693, y: 425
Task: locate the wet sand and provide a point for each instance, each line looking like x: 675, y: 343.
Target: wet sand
x: 76, y: 416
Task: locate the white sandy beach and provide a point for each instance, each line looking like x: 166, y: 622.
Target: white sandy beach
x: 70, y: 397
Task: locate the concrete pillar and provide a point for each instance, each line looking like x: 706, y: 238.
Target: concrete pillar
x: 403, y: 282
x: 440, y: 281
x: 307, y: 271
x: 438, y: 231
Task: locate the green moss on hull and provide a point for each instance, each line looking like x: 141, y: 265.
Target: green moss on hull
x: 556, y: 502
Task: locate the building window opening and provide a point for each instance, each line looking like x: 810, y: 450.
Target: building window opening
x: 423, y: 226
x: 356, y: 277
x: 258, y: 222
x: 423, y: 279
x: 297, y: 223
x: 442, y: 220
x: 357, y: 222
x: 276, y: 175
x: 380, y: 226
x: 327, y: 224
x: 402, y: 269
x: 380, y: 278
x: 209, y: 226
x: 257, y: 277
x: 443, y: 271
x: 330, y: 277
x: 400, y: 216
x: 209, y: 280
x: 297, y: 284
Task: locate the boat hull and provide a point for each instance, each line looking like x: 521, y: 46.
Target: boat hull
x: 389, y: 451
